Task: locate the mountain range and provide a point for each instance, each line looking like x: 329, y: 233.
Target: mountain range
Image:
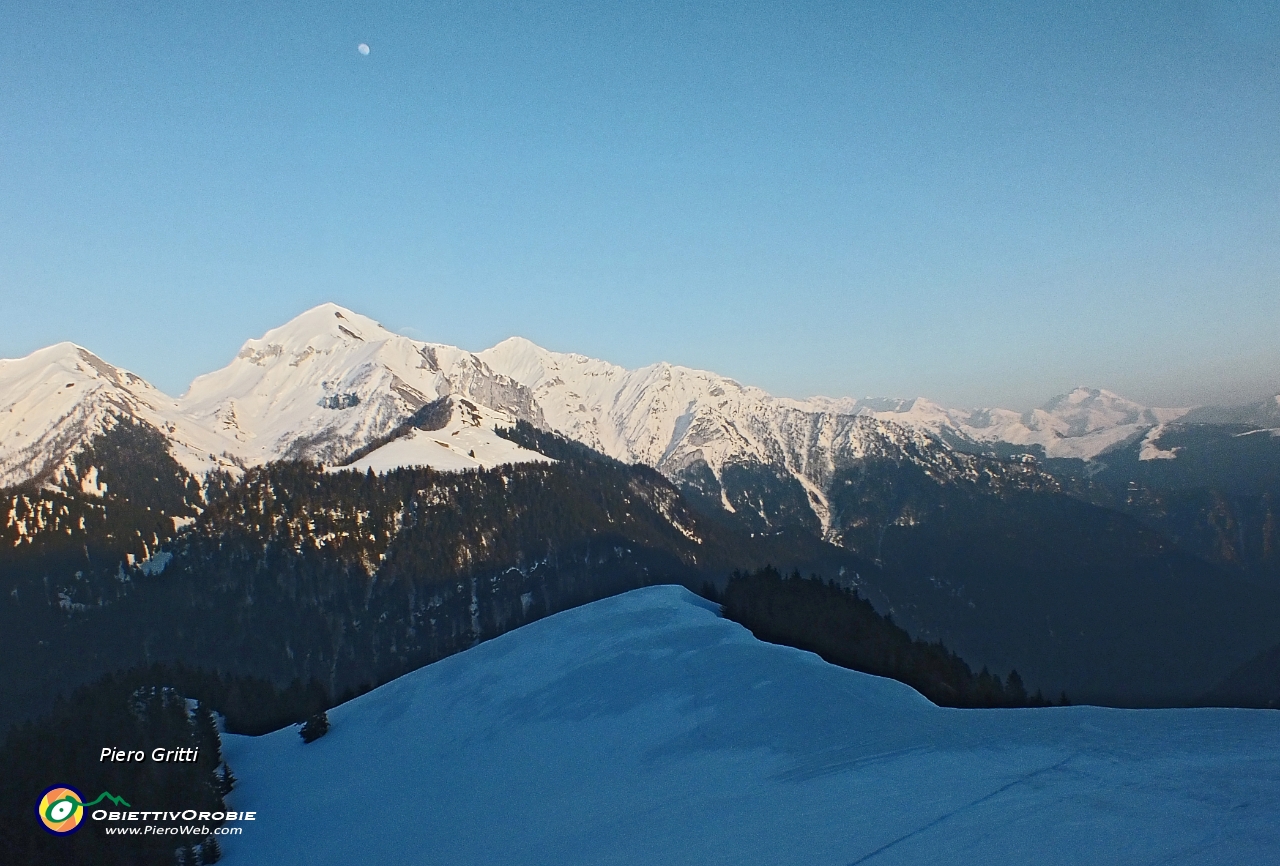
x: 1126, y: 554
x: 332, y: 382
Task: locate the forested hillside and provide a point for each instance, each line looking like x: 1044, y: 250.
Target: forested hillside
x: 846, y: 630
x: 292, y: 573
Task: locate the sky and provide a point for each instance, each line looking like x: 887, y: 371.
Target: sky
x: 984, y: 204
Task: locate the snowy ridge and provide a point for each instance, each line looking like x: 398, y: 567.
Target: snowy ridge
x: 1081, y: 424
x: 56, y: 399
x: 644, y: 415
x: 1149, y: 448
x: 684, y: 422
x: 330, y: 382
x: 320, y: 387
x: 645, y: 729
x: 466, y: 441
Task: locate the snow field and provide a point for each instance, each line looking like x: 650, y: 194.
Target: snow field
x: 644, y: 729
x: 468, y: 441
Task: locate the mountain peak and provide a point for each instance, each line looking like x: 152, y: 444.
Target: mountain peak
x: 1084, y: 396
x: 518, y: 344
x: 320, y: 328
x: 330, y: 381
x: 69, y: 359
x: 531, y: 365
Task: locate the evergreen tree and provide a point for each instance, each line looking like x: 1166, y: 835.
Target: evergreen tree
x: 984, y: 689
x: 315, y: 727
x: 209, y: 743
x: 210, y: 852
x: 226, y: 781
x: 1015, y: 691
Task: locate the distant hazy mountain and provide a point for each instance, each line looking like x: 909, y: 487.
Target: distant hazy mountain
x: 1081, y: 424
x: 1265, y: 414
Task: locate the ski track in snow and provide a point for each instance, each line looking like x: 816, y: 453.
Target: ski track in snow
x: 948, y: 815
x: 644, y: 729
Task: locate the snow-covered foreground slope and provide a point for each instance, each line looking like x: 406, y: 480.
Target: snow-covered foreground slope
x: 646, y: 730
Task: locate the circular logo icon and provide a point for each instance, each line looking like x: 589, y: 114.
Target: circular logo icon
x: 60, y: 810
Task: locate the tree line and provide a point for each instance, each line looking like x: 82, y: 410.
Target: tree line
x: 843, y: 628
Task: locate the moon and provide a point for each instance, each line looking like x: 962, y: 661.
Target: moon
x: 363, y: 49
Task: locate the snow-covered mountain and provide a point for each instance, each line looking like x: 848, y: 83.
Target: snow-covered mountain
x: 662, y: 414
x: 55, y: 400
x: 736, y: 444
x: 1081, y: 424
x: 645, y: 729
x: 695, y: 426
x: 320, y: 387
x: 462, y: 438
x: 331, y: 383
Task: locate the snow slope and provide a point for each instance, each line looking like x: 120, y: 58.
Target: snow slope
x: 319, y: 387
x: 331, y: 381
x: 690, y: 423
x: 55, y: 399
x: 467, y: 441
x: 643, y: 729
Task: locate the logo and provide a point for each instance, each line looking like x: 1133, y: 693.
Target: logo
x: 61, y: 808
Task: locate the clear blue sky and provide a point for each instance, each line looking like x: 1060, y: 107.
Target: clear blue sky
x: 980, y: 203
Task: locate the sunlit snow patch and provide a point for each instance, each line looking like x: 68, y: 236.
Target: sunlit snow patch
x: 467, y: 441
x: 1150, y: 448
